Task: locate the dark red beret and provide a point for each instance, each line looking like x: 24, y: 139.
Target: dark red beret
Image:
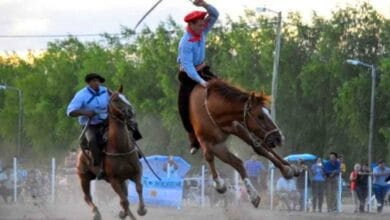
x: 195, y: 15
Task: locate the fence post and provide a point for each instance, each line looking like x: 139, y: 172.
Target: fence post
x: 272, y: 189
x: 202, y: 186
x: 53, y: 179
x: 339, y: 193
x: 306, y: 190
x: 15, y: 166
x: 369, y: 193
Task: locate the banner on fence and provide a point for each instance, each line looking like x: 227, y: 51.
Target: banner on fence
x: 167, y: 192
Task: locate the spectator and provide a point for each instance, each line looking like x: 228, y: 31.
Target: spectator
x: 343, y: 166
x: 380, y: 186
x: 362, y: 186
x: 254, y: 168
x: 171, y: 167
x: 353, y: 178
x: 332, y: 171
x: 287, y: 192
x: 318, y: 184
x: 301, y: 183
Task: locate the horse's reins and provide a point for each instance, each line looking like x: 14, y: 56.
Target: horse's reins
x: 246, y: 112
x: 136, y: 148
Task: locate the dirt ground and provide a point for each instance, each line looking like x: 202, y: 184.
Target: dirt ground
x: 243, y: 211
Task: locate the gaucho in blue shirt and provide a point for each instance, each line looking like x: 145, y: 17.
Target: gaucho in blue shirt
x: 90, y: 106
x: 192, y: 54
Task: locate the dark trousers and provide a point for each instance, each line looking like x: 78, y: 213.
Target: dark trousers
x: 331, y: 193
x: 185, y: 89
x: 94, y: 137
x: 380, y: 193
x: 318, y: 194
x: 362, y: 192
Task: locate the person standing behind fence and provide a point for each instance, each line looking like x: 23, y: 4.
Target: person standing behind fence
x: 362, y: 186
x: 254, y: 168
x: 380, y: 186
x: 171, y: 167
x: 353, y: 178
x: 332, y: 171
x: 318, y: 184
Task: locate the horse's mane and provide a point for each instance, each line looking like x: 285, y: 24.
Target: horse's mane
x: 231, y: 93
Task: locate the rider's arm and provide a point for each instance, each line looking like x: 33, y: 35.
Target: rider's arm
x: 75, y: 107
x: 211, y: 18
x: 186, y: 61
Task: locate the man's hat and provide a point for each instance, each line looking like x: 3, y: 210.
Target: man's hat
x: 195, y: 15
x: 380, y: 161
x: 92, y: 76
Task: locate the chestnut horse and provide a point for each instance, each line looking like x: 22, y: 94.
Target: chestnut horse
x: 120, y: 161
x: 221, y: 110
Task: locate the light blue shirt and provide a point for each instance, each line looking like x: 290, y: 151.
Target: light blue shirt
x: 380, y: 175
x: 192, y: 54
x: 90, y: 100
x: 318, y: 173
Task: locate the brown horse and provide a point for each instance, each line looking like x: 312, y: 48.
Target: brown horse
x: 222, y: 110
x: 120, y: 162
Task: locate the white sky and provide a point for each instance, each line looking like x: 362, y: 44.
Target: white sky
x: 40, y: 17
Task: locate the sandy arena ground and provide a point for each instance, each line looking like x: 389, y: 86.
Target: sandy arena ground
x: 243, y: 211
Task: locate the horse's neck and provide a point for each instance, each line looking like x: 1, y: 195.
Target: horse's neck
x: 224, y: 112
x: 118, y: 137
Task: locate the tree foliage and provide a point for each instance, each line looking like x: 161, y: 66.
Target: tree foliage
x: 322, y: 103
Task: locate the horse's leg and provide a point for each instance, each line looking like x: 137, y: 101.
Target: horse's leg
x: 121, y: 189
x: 85, y: 180
x: 288, y: 171
x: 218, y: 183
x: 226, y: 156
x: 138, y: 187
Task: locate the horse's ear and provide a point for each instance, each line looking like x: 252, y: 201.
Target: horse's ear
x: 120, y: 90
x: 253, y: 97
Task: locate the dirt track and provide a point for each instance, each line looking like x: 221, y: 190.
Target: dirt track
x: 79, y: 211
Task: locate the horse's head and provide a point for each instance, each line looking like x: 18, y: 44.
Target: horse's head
x: 258, y: 120
x: 119, y: 106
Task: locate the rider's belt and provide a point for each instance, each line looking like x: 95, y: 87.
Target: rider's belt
x: 197, y: 67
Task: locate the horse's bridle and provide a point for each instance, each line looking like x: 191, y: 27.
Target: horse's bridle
x: 247, y: 114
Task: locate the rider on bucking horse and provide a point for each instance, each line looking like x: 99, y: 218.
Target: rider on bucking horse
x: 90, y: 105
x: 192, y: 54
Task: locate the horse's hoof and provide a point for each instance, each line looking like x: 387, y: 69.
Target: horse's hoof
x: 295, y: 170
x: 96, y: 215
x: 122, y: 215
x: 141, y: 212
x: 289, y: 172
x: 256, y: 201
x: 222, y: 189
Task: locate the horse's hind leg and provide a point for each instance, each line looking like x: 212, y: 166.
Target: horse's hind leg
x: 218, y: 183
x: 226, y: 156
x: 121, y: 189
x: 85, y: 181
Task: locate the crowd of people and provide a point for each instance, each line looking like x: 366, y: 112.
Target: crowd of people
x: 323, y: 184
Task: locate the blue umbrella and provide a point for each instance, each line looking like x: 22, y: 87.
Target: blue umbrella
x: 157, y: 163
x: 296, y: 157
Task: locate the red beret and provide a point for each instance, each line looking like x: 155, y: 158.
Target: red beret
x: 195, y: 15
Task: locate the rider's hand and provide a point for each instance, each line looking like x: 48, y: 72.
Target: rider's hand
x: 204, y: 84
x: 201, y: 3
x: 90, y: 114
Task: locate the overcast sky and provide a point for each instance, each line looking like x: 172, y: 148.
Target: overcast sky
x: 47, y: 17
